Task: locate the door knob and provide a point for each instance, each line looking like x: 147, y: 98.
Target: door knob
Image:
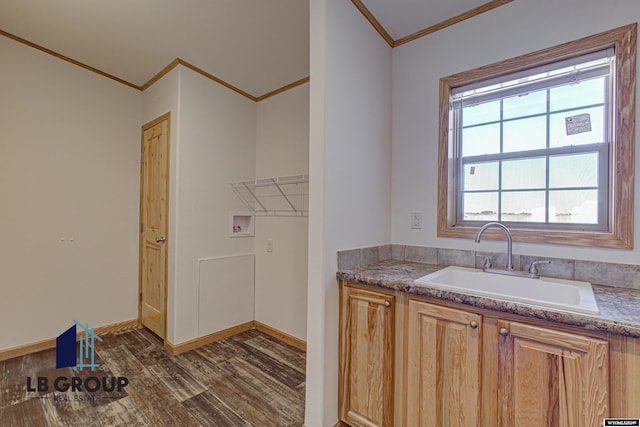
x: 504, y: 332
x: 160, y: 239
x: 473, y: 324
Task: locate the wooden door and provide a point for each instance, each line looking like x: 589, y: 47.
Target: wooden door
x: 443, y: 373
x: 551, y: 379
x: 153, y: 224
x: 366, y: 358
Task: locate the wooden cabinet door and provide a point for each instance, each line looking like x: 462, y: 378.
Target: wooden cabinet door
x: 551, y: 379
x: 366, y: 358
x: 443, y: 374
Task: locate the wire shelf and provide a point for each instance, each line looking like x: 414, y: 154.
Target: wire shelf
x: 279, y: 196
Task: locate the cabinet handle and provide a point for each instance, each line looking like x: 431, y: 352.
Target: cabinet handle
x: 387, y: 304
x: 504, y: 332
x: 473, y: 324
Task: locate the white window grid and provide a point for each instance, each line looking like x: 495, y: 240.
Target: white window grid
x: 598, y: 64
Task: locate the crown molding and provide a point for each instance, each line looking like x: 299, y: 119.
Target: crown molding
x: 158, y: 75
x: 429, y: 30
x: 283, y: 89
x: 216, y: 79
x: 173, y: 64
x: 451, y: 21
x: 373, y: 21
x: 67, y: 59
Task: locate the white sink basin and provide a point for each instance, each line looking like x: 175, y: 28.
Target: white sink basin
x: 555, y: 293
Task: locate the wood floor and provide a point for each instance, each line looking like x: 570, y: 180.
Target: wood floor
x: 250, y: 379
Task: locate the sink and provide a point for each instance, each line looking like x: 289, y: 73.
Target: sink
x: 569, y: 295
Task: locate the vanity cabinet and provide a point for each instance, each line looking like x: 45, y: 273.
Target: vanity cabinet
x: 551, y: 378
x: 367, y: 334
x: 443, y: 366
x: 416, y: 361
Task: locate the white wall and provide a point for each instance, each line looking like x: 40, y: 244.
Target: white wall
x: 162, y: 97
x: 350, y: 134
x: 69, y: 168
x: 514, y: 29
x: 213, y: 142
x: 217, y: 131
x: 282, y: 149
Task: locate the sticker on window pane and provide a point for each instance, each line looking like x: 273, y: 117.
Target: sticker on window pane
x: 580, y: 123
x: 481, y: 176
x: 558, y: 136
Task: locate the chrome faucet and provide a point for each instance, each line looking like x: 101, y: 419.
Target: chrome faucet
x: 533, y: 270
x: 509, y: 241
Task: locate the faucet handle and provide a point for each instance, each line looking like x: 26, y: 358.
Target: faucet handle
x: 533, y: 269
x: 487, y: 262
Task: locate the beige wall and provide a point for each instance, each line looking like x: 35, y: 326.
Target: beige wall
x: 282, y: 149
x: 69, y: 169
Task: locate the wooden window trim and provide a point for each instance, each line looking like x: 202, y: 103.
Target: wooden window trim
x: 620, y: 234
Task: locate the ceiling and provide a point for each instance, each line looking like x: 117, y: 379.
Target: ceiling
x: 257, y: 46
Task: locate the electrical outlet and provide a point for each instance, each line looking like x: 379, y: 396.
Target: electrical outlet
x: 269, y: 245
x: 415, y: 220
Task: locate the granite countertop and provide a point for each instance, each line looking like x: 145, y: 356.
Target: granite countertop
x: 619, y: 307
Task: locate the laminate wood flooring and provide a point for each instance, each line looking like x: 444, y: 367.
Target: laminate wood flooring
x: 249, y: 380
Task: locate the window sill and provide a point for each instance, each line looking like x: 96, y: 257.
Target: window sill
x: 559, y: 237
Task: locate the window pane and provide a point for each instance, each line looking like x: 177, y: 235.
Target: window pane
x: 580, y: 170
x: 527, y: 173
x: 481, y: 176
x: 587, y: 92
x: 577, y: 206
x: 560, y: 134
x: 480, y: 206
x: 481, y: 140
x: 525, y: 105
x: 525, y: 206
x: 525, y: 134
x: 481, y: 113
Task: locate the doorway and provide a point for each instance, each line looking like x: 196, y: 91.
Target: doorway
x: 154, y: 208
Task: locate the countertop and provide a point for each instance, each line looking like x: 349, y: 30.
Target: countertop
x: 619, y: 307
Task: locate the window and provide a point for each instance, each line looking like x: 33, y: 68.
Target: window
x: 534, y: 146
x: 543, y: 143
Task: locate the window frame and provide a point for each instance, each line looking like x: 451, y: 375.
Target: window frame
x: 621, y: 153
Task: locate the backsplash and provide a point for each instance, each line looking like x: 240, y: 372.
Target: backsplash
x: 599, y: 273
